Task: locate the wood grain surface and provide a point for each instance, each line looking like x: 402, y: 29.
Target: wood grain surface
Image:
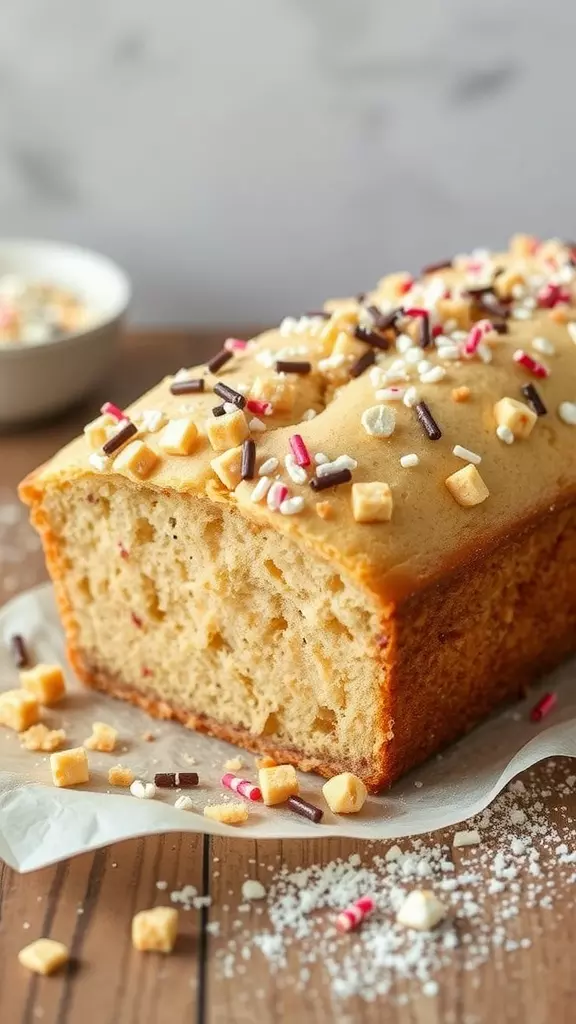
x: 88, y: 902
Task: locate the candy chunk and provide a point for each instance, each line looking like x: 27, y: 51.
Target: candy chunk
x: 40, y: 737
x: 467, y: 486
x: 227, y: 814
x: 45, y: 682
x: 103, y: 738
x: 136, y: 460
x: 234, y: 764
x: 228, y: 467
x: 379, y: 421
x: 183, y: 803
x: 227, y: 431
x: 179, y: 437
x: 468, y: 837
x: 155, y: 930
x: 69, y: 767
x: 99, y: 430
x: 421, y: 910
x: 120, y: 775
x: 372, y: 503
x: 18, y: 710
x: 277, y: 784
x: 518, y: 417
x: 345, y: 793
x: 44, y: 956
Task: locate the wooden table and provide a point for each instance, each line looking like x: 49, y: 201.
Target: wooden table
x: 88, y: 902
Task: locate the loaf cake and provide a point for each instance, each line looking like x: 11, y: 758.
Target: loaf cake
x: 345, y: 541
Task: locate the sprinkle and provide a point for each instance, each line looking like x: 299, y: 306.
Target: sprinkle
x: 567, y: 413
x: 410, y: 398
x: 187, y: 387
x: 433, y: 268
x: 299, y: 449
x: 543, y: 707
x: 109, y: 409
x: 296, y: 473
x: 229, y: 395
x: 320, y: 458
x: 523, y: 359
x: 289, y: 323
x: 390, y: 394
x: 269, y: 466
x: 248, y: 460
x: 433, y: 376
x: 371, y: 338
x: 119, y: 439
x: 533, y: 398
x: 571, y: 328
x: 361, y: 364
x: 143, y: 790
x: 218, y: 361
x: 151, y: 420
x: 342, y: 462
x: 235, y: 345
x: 484, y: 352
x: 98, y: 462
x: 305, y: 809
x: 291, y: 506
x: 424, y: 335
x: 384, y: 321
x: 407, y: 461
x: 543, y: 346
x: 551, y: 294
x: 285, y: 366
x: 505, y: 434
x: 350, y: 918
x: 475, y: 336
x: 448, y: 351
x: 259, y: 407
x: 219, y: 410
x: 261, y: 489
x: 256, y: 425
x: 183, y: 803
x: 467, y: 837
x: 379, y: 421
x: 427, y: 420
x: 343, y: 476
x: 241, y: 786
x: 276, y: 495
x: 176, y: 780
x: 466, y: 454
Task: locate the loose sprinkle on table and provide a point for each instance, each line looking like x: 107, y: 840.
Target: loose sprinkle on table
x: 343, y: 476
x: 219, y: 360
x: 299, y: 450
x: 248, y: 459
x: 18, y: 651
x: 259, y: 407
x: 543, y: 707
x: 532, y: 365
x: 119, y: 439
x: 241, y: 786
x: 353, y: 916
x: 286, y: 366
x: 427, y: 420
x: 466, y: 454
x: 534, y: 400
x: 176, y: 780
x: 305, y: 809
x: 187, y: 387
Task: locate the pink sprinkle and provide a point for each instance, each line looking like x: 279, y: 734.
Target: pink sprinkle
x: 112, y: 410
x: 234, y: 345
x: 259, y: 407
x: 543, y: 707
x: 299, y: 450
x: 241, y: 786
x: 350, y: 918
x: 276, y: 495
x: 479, y: 331
x: 416, y: 311
x: 523, y: 359
x: 551, y: 294
x: 406, y: 286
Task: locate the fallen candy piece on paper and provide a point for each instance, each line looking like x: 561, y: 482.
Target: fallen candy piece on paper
x: 44, y: 956
x: 277, y: 784
x: 176, y: 780
x: 19, y: 652
x: 305, y: 809
x: 241, y: 786
x: 155, y: 930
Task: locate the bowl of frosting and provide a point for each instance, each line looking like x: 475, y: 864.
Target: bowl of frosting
x: 62, y: 310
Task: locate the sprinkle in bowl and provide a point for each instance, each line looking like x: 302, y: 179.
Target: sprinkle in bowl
x: 61, y: 314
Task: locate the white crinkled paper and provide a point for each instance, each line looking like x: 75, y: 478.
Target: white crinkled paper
x: 40, y: 824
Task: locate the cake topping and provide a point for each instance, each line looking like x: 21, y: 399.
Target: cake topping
x: 287, y: 366
x: 228, y: 467
x: 276, y: 495
x: 136, y: 459
x: 117, y: 440
x: 299, y: 450
x: 248, y: 459
x: 518, y: 417
x: 532, y: 365
x: 18, y: 651
x: 372, y: 502
x: 179, y: 437
x: 219, y: 410
x: 379, y: 421
x: 533, y: 398
x: 269, y: 466
x: 109, y: 409
x: 176, y: 780
x: 467, y: 486
x: 305, y: 809
x: 187, y: 387
x: 219, y: 360
x: 227, y: 431
x: 427, y: 420
x: 543, y: 707
x: 466, y: 454
x: 322, y: 483
x: 230, y: 396
x: 261, y: 489
x: 291, y: 506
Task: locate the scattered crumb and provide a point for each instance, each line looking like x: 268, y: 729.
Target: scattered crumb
x: 253, y: 890
x: 148, y: 736
x: 324, y: 509
x: 44, y: 956
x: 120, y: 775
x: 461, y: 394
x: 228, y: 814
x: 234, y: 764
x: 103, y: 738
x: 40, y: 737
x: 155, y: 930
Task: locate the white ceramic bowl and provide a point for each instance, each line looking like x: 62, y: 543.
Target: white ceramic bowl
x: 40, y: 378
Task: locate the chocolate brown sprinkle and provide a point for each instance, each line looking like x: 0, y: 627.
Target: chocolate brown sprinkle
x: 248, y: 459
x: 427, y: 420
x: 362, y: 363
x: 424, y: 335
x: 388, y: 320
x: 371, y: 338
x: 18, y: 651
x: 187, y: 387
x: 360, y: 298
x: 491, y: 304
x: 229, y: 395
x: 322, y: 483
x: 285, y: 366
x: 432, y: 268
x: 219, y: 359
x: 321, y: 313
x: 533, y: 398
x: 500, y: 326
x: 119, y: 439
x: 218, y: 410
x: 176, y: 780
x: 306, y: 810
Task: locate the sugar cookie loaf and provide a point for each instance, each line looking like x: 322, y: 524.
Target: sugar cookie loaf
x: 343, y: 542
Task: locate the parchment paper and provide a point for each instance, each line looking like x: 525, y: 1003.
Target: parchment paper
x: 40, y: 824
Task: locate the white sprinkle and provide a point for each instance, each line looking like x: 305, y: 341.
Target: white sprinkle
x: 379, y: 421
x: 571, y: 327
x: 310, y: 414
x: 505, y: 434
x: 288, y: 325
x: 275, y: 495
x: 484, y: 352
x: 342, y: 462
x: 448, y: 351
x: 421, y: 910
x: 567, y: 413
x: 466, y: 454
x: 143, y: 790
x: 291, y: 506
x: 411, y: 397
x: 437, y: 373
x: 184, y: 803
x: 261, y: 489
x: 253, y: 890
x: 182, y: 374
x: 394, y: 376
x: 268, y: 467
x: 303, y: 325
x: 409, y: 460
x: 320, y: 458
x: 413, y: 357
x: 295, y: 472
x: 424, y: 365
x: 230, y: 407
x: 333, y: 362
x: 403, y: 343
x: 545, y: 347
x: 256, y: 425
x: 151, y: 420
x: 390, y: 394
x: 98, y: 462
x: 468, y: 837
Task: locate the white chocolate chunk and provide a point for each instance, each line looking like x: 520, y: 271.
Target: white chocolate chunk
x: 179, y: 437
x: 421, y: 910
x: 372, y: 502
x: 155, y: 930
x: 517, y: 416
x: 467, y: 837
x: 345, y: 793
x: 44, y: 956
x: 228, y: 467
x: 379, y: 421
x: 69, y: 767
x: 137, y: 460
x: 45, y: 682
x: 143, y: 790
x: 467, y: 487
x: 227, y: 431
x: 18, y: 710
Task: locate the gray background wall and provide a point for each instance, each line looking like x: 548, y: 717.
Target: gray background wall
x: 246, y: 158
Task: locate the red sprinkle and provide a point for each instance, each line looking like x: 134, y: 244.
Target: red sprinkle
x: 122, y: 550
x: 146, y: 672
x: 543, y: 707
x: 416, y: 311
x: 437, y: 330
x: 350, y: 918
x: 112, y: 410
x: 299, y: 450
x: 136, y: 619
x: 242, y: 786
x: 406, y: 286
x: 235, y: 345
x: 523, y: 359
x: 259, y: 407
x: 479, y: 331
x: 551, y: 294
